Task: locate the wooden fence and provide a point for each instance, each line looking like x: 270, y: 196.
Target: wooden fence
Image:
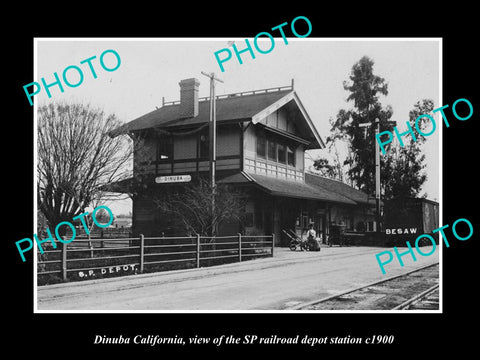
x: 97, y: 258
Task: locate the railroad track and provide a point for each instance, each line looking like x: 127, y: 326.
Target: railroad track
x: 428, y: 300
x: 414, y: 290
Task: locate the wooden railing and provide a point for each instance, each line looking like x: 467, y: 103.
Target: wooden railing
x: 238, y: 94
x: 97, y: 258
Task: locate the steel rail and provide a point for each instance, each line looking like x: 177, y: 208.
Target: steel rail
x: 416, y: 298
x: 318, y: 301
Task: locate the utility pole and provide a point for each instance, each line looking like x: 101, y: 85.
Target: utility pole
x: 377, y: 169
x: 213, y: 139
x: 213, y: 127
x: 377, y: 176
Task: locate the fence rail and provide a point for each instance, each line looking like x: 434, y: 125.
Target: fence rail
x: 94, y: 258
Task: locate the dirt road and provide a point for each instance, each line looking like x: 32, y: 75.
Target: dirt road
x: 264, y: 284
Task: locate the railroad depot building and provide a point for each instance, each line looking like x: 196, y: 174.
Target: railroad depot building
x: 262, y: 137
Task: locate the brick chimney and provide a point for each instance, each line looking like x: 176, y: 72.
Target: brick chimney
x: 189, y: 97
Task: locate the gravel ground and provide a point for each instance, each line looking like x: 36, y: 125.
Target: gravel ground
x: 384, y: 296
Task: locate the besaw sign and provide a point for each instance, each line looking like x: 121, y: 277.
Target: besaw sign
x: 173, y: 179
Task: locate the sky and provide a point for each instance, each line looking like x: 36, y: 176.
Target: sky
x: 152, y: 68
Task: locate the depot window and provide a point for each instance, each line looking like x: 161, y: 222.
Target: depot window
x: 290, y: 155
x: 275, y: 148
x: 272, y: 150
x: 261, y: 145
x: 281, y: 157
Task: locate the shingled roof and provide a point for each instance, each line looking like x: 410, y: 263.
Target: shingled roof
x: 252, y: 106
x: 228, y: 107
x: 314, y: 190
x: 338, y: 187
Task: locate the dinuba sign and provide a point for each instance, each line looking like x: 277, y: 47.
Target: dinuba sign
x: 127, y: 269
x: 173, y: 179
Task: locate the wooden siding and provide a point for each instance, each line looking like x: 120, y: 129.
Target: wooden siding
x: 144, y: 209
x: 228, y: 141
x: 190, y: 166
x: 183, y: 167
x: 249, y: 142
x: 145, y: 153
x: 185, y: 153
x: 185, y: 147
x: 279, y: 119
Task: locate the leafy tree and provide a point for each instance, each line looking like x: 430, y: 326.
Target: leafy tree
x: 322, y: 164
x: 403, y: 168
x: 76, y: 159
x: 102, y: 216
x: 330, y: 166
x: 365, y: 89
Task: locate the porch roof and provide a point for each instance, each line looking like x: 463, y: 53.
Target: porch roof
x: 285, y: 188
x: 339, y: 187
x: 315, y: 188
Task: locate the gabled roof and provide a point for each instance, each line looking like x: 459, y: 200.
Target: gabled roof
x: 232, y: 107
x: 249, y: 106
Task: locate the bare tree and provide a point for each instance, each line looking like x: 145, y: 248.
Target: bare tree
x: 76, y: 159
x: 193, y: 206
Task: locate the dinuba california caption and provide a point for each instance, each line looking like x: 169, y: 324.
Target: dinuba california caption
x: 154, y: 340
x: 267, y: 186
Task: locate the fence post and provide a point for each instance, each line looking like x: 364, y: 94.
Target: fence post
x: 90, y: 246
x: 142, y: 249
x: 273, y: 243
x: 64, y: 261
x: 102, y: 243
x: 239, y: 247
x: 198, y: 250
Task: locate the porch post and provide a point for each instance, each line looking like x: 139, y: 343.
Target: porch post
x: 273, y: 243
